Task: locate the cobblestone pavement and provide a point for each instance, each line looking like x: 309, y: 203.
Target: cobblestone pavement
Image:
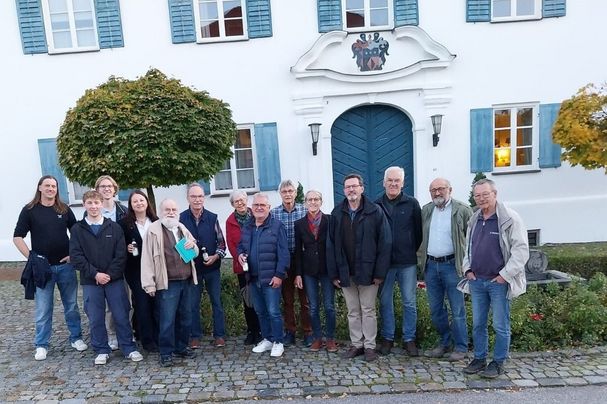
x: 233, y: 372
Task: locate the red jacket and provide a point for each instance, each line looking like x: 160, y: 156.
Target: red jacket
x: 233, y: 233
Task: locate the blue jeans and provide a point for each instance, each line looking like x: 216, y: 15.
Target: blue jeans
x: 266, y: 300
x: 441, y: 281
x: 210, y: 279
x: 311, y: 284
x: 407, y: 282
x: 174, y: 317
x: 95, y: 298
x: 64, y: 276
x: 486, y: 295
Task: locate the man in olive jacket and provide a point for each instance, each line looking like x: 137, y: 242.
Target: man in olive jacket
x: 358, y: 255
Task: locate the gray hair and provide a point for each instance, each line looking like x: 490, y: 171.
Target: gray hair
x: 237, y: 194
x: 192, y: 185
x: 446, y: 181
x: 164, y: 201
x: 313, y: 191
x: 286, y: 183
x: 485, y: 181
x: 262, y: 195
x: 400, y: 170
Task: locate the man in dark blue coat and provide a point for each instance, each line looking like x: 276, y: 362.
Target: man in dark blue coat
x: 358, y: 255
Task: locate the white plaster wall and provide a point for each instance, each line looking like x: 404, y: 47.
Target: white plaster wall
x: 553, y: 58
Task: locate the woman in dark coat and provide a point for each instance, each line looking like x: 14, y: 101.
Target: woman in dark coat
x: 135, y: 224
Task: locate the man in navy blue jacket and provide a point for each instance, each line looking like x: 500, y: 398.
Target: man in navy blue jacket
x: 264, y: 248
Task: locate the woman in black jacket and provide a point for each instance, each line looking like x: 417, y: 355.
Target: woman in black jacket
x: 311, y: 263
x: 135, y: 224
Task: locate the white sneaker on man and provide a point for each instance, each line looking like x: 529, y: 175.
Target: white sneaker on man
x: 101, y: 359
x: 40, y: 354
x: 135, y: 356
x: 113, y: 343
x: 277, y: 350
x: 263, y: 346
x: 79, y: 345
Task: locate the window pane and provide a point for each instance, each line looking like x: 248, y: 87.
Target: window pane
x: 208, y: 11
x: 226, y: 165
x: 502, y: 138
x: 223, y: 180
x: 524, y: 137
x: 57, y: 6
x: 502, y: 157
x: 501, y: 8
x: 82, y: 5
x: 79, y: 190
x: 379, y: 3
x: 244, y: 158
x: 246, y: 179
x: 234, y: 27
x: 523, y: 156
x: 525, y: 7
x: 60, y: 22
x: 502, y: 118
x: 232, y: 9
x: 354, y: 4
x: 83, y: 19
x: 86, y: 37
x: 379, y: 17
x: 62, y: 39
x: 355, y: 19
x: 243, y: 139
x: 524, y: 117
x: 209, y: 29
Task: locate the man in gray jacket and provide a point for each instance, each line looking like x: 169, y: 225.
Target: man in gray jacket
x: 444, y: 225
x: 494, y: 263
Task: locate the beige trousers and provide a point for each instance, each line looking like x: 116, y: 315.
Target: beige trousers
x: 362, y: 318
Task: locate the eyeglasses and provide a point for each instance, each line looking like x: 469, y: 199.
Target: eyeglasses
x: 351, y: 186
x: 259, y: 205
x: 438, y: 189
x: 483, y: 195
x: 105, y: 186
x: 287, y: 191
x: 393, y: 181
x: 313, y: 200
x: 240, y: 201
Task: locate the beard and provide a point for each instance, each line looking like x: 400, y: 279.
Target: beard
x: 439, y: 201
x: 170, y: 222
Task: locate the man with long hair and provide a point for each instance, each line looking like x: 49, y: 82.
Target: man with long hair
x: 47, y: 219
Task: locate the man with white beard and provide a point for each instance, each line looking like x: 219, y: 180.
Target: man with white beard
x: 444, y: 224
x: 164, y: 272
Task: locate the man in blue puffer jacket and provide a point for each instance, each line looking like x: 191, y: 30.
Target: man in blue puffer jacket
x: 263, y: 246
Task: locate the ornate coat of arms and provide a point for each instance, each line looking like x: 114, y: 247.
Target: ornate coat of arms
x: 370, y: 52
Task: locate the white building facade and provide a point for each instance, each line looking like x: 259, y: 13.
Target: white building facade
x: 370, y: 72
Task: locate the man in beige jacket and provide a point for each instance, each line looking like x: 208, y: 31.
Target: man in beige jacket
x: 164, y: 272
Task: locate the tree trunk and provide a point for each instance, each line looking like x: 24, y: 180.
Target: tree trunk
x: 152, y: 198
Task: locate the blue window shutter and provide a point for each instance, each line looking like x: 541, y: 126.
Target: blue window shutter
x: 553, y: 8
x: 550, y: 152
x: 259, y: 18
x: 268, y: 163
x: 109, y: 24
x: 205, y: 187
x: 478, y: 10
x: 49, y: 164
x: 181, y: 14
x: 329, y: 15
x: 481, y: 140
x: 123, y: 194
x: 405, y: 13
x: 31, y: 26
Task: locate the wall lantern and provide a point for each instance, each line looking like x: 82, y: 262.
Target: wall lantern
x: 314, y: 131
x: 437, y: 121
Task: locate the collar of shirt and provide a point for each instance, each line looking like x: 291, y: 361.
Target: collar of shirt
x: 90, y: 222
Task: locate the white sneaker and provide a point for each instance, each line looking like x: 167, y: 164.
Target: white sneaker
x: 113, y: 343
x: 263, y: 346
x: 277, y: 350
x: 135, y: 356
x: 79, y: 345
x: 40, y: 354
x: 101, y: 359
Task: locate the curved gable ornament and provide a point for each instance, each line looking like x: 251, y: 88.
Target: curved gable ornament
x: 338, y: 55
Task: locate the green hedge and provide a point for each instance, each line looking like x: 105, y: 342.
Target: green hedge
x: 543, y: 318
x: 583, y: 259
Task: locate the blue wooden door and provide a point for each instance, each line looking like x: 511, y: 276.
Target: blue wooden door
x: 367, y: 140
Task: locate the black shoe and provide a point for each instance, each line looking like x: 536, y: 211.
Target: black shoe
x: 166, y: 361
x: 475, y: 366
x: 492, y: 370
x: 370, y: 355
x: 411, y: 348
x: 386, y: 347
x: 353, y: 352
x: 186, y: 354
x: 289, y: 338
x: 251, y: 339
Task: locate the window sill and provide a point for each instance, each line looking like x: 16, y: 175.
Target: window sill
x: 72, y: 50
x: 516, y: 19
x: 200, y: 41
x: 227, y: 194
x: 525, y: 171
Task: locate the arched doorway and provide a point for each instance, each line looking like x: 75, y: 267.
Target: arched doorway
x: 367, y: 140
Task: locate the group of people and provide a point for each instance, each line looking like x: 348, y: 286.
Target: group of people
x: 363, y: 248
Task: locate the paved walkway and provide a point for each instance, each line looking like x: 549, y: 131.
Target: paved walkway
x: 234, y: 372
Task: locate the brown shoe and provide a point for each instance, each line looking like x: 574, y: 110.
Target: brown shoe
x: 195, y: 343
x: 316, y: 345
x: 353, y: 352
x: 220, y: 342
x: 411, y: 348
x: 386, y: 347
x: 370, y: 354
x: 331, y: 345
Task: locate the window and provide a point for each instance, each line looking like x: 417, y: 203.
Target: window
x: 368, y: 14
x: 239, y: 171
x: 514, y: 137
x: 508, y: 10
x: 533, y: 236
x: 219, y: 19
x: 70, y: 25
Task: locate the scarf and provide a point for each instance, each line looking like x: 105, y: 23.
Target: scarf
x: 242, y: 219
x: 314, y: 223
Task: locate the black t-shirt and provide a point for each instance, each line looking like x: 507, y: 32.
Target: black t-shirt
x: 48, y: 230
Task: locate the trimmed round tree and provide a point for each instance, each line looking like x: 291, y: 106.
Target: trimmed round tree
x: 152, y: 131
